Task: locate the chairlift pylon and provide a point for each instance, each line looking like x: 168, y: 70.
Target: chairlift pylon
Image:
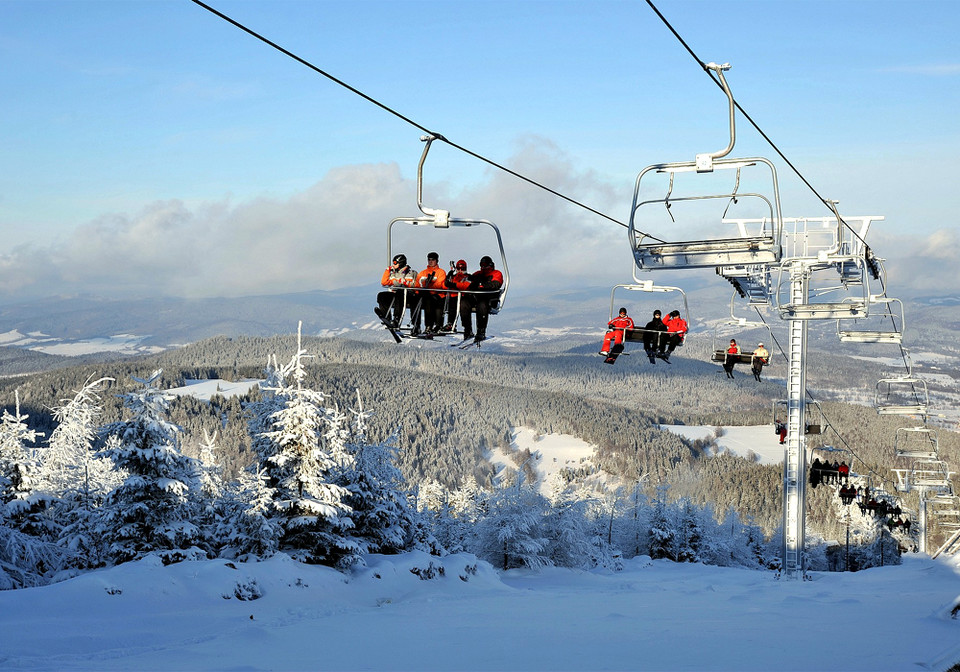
x: 837, y: 263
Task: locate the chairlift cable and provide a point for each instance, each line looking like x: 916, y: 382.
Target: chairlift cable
x: 746, y: 116
x: 402, y: 117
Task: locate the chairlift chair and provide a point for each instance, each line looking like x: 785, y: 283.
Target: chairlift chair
x: 813, y: 420
x: 734, y: 327
x: 441, y: 220
x: 903, y: 395
x: 877, y: 327
x: 918, y: 443
x: 636, y: 335
x: 760, y: 246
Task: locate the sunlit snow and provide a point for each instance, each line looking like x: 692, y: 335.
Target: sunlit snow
x: 653, y: 615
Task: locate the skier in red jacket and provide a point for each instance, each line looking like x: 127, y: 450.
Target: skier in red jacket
x: 482, y: 289
x: 617, y: 328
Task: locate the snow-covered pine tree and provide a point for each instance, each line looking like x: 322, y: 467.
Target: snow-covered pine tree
x: 248, y: 529
x: 71, y: 472
x: 662, y: 529
x: 68, y: 466
x: 24, y: 506
x: 382, y: 516
x: 690, y: 533
x: 153, y: 509
x: 27, y: 555
x: 511, y: 534
x: 17, y: 465
x: 212, y: 489
x: 301, y: 471
x: 568, y: 530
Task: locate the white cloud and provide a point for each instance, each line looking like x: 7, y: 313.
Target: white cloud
x: 330, y: 236
x: 334, y: 235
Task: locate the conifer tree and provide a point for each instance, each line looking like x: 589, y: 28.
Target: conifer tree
x: 72, y: 473
x: 153, y: 509
x: 301, y: 471
x: 382, y: 517
x: 249, y: 530
x: 511, y: 534
x: 662, y: 530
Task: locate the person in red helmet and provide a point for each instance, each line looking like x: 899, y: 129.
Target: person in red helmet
x: 456, y: 275
x: 483, y: 288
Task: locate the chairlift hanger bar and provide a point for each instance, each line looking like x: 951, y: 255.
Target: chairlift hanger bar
x: 400, y: 116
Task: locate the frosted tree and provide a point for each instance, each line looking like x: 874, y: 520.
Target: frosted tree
x: 75, y: 476
x: 68, y: 465
x: 382, y: 516
x: 662, y: 529
x: 456, y: 512
x: 248, y: 529
x: 301, y: 471
x: 24, y: 506
x: 17, y: 464
x: 690, y: 533
x: 153, y: 509
x: 211, y: 489
x: 27, y: 556
x: 512, y: 534
x: 569, y: 531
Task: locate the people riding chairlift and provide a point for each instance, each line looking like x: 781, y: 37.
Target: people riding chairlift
x: 676, y: 331
x: 617, y: 328
x: 481, y: 291
x: 398, y: 277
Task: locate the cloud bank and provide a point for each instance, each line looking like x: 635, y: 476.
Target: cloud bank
x: 334, y: 235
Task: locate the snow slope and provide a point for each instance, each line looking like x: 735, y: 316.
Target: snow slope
x: 553, y: 452
x: 653, y: 615
x: 760, y: 440
x: 204, y: 389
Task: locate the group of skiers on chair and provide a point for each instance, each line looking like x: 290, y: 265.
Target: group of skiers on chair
x: 660, y: 337
x: 428, y: 293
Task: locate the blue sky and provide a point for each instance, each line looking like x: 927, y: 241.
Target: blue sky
x: 141, y: 141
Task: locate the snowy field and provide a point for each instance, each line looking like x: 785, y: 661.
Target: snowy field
x: 553, y: 452
x: 204, y: 389
x: 653, y: 615
x: 760, y: 440
x: 124, y: 344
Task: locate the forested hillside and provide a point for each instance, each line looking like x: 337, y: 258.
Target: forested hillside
x: 450, y: 406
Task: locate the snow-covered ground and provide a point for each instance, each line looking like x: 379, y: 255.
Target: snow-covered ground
x: 551, y: 453
x: 760, y: 440
x: 653, y: 615
x: 204, y: 389
x: 124, y: 344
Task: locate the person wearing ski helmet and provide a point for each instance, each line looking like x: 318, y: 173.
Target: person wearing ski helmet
x: 398, y: 277
x: 456, y: 275
x: 616, y: 328
x: 653, y: 340
x: 483, y: 289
